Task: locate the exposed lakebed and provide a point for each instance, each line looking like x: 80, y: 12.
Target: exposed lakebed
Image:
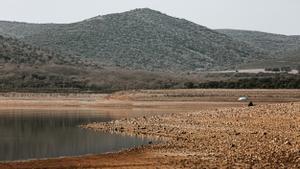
x: 46, y: 134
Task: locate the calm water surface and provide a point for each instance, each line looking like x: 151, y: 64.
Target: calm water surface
x: 46, y: 134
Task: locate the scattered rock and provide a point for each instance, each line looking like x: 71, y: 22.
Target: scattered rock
x: 250, y: 104
x: 288, y: 143
x: 215, y: 133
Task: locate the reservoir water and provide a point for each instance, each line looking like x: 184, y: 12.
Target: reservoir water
x: 46, y: 134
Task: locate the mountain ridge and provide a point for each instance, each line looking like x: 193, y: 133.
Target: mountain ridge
x: 141, y: 39
x: 276, y: 44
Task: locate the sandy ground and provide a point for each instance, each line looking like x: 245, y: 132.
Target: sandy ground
x: 153, y: 100
x: 216, y: 133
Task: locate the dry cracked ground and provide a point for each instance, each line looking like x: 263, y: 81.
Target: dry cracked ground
x: 263, y: 136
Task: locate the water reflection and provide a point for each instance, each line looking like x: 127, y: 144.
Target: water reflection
x: 26, y: 135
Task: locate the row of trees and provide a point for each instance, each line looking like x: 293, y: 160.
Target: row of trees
x: 282, y: 69
x: 250, y: 83
x: 279, y: 69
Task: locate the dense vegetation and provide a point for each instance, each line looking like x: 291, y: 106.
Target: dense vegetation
x: 139, y: 39
x: 139, y: 49
x: 46, y: 79
x: 277, y: 81
x: 27, y: 68
x: 13, y: 51
x: 285, y: 50
x: 275, y: 44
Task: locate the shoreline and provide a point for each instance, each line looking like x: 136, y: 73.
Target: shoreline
x: 264, y: 136
x: 171, y: 100
x: 183, y: 138
x: 198, y: 133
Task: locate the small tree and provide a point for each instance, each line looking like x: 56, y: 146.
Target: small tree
x: 189, y: 85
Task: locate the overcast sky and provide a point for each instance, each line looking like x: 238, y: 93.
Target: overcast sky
x: 277, y: 16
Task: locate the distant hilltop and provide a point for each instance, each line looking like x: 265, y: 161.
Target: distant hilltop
x: 138, y: 49
x: 141, y: 39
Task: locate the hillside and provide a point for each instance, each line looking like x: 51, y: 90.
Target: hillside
x: 275, y: 44
x: 290, y: 58
x: 140, y: 39
x: 27, y: 68
x: 13, y: 51
x: 21, y: 29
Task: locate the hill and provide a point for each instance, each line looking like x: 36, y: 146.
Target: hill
x: 275, y: 44
x: 13, y: 51
x: 27, y: 68
x: 288, y: 59
x: 140, y: 39
x: 24, y: 67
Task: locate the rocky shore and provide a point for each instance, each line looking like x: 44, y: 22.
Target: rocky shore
x: 265, y: 136
x: 199, y: 128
